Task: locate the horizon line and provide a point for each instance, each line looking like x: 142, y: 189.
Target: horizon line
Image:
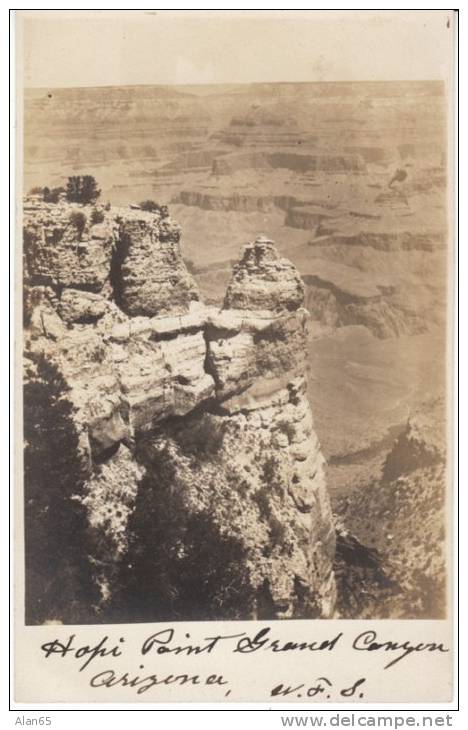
x: 239, y: 83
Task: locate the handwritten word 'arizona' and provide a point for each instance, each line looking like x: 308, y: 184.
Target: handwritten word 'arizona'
x: 109, y: 678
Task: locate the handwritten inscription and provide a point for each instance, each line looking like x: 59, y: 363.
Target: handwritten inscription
x: 69, y: 648
x: 367, y: 641
x: 322, y: 685
x: 171, y: 642
x: 163, y: 642
x: 109, y: 678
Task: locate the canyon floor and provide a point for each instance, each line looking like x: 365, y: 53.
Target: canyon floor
x: 348, y: 179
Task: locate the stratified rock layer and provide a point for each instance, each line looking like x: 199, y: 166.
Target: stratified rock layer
x: 149, y: 367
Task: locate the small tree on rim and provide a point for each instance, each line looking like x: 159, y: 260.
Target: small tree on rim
x: 82, y: 189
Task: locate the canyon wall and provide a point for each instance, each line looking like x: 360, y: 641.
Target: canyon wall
x: 203, y: 487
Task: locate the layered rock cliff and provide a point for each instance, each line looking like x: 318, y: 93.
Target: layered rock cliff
x: 290, y: 160
x: 204, y: 490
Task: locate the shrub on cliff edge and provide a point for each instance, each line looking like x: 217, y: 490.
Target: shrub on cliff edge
x: 97, y: 216
x: 180, y: 564
x: 153, y: 207
x: 82, y: 189
x: 52, y: 195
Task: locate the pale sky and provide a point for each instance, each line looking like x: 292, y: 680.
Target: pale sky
x: 95, y: 48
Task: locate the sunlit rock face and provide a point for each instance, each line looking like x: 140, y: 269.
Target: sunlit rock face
x: 190, y: 413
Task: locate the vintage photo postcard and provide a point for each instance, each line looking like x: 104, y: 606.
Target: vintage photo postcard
x: 235, y: 246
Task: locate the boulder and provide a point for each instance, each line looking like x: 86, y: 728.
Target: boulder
x: 81, y: 306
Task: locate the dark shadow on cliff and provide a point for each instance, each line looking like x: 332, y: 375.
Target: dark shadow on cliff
x: 179, y: 565
x: 116, y: 274
x: 362, y: 584
x: 59, y: 585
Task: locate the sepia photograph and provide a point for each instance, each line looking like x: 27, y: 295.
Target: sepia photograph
x: 236, y: 322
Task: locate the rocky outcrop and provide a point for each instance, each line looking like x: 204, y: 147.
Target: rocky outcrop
x: 62, y: 248
x: 195, y: 413
x: 421, y: 444
x: 309, y: 218
x: 149, y: 274
x: 132, y: 257
x: 81, y: 306
x: 264, y: 281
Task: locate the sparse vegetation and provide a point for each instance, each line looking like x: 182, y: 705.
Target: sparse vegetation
x: 52, y: 195
x: 78, y: 220
x: 410, y: 551
x: 278, y: 532
x: 362, y: 583
x: 288, y: 428
x: 271, y: 474
x: 153, y: 207
x: 150, y: 205
x: 204, y: 438
x: 180, y: 564
x: 97, y: 216
x: 262, y: 498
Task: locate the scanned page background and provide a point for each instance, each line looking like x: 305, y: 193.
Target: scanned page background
x: 211, y: 153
